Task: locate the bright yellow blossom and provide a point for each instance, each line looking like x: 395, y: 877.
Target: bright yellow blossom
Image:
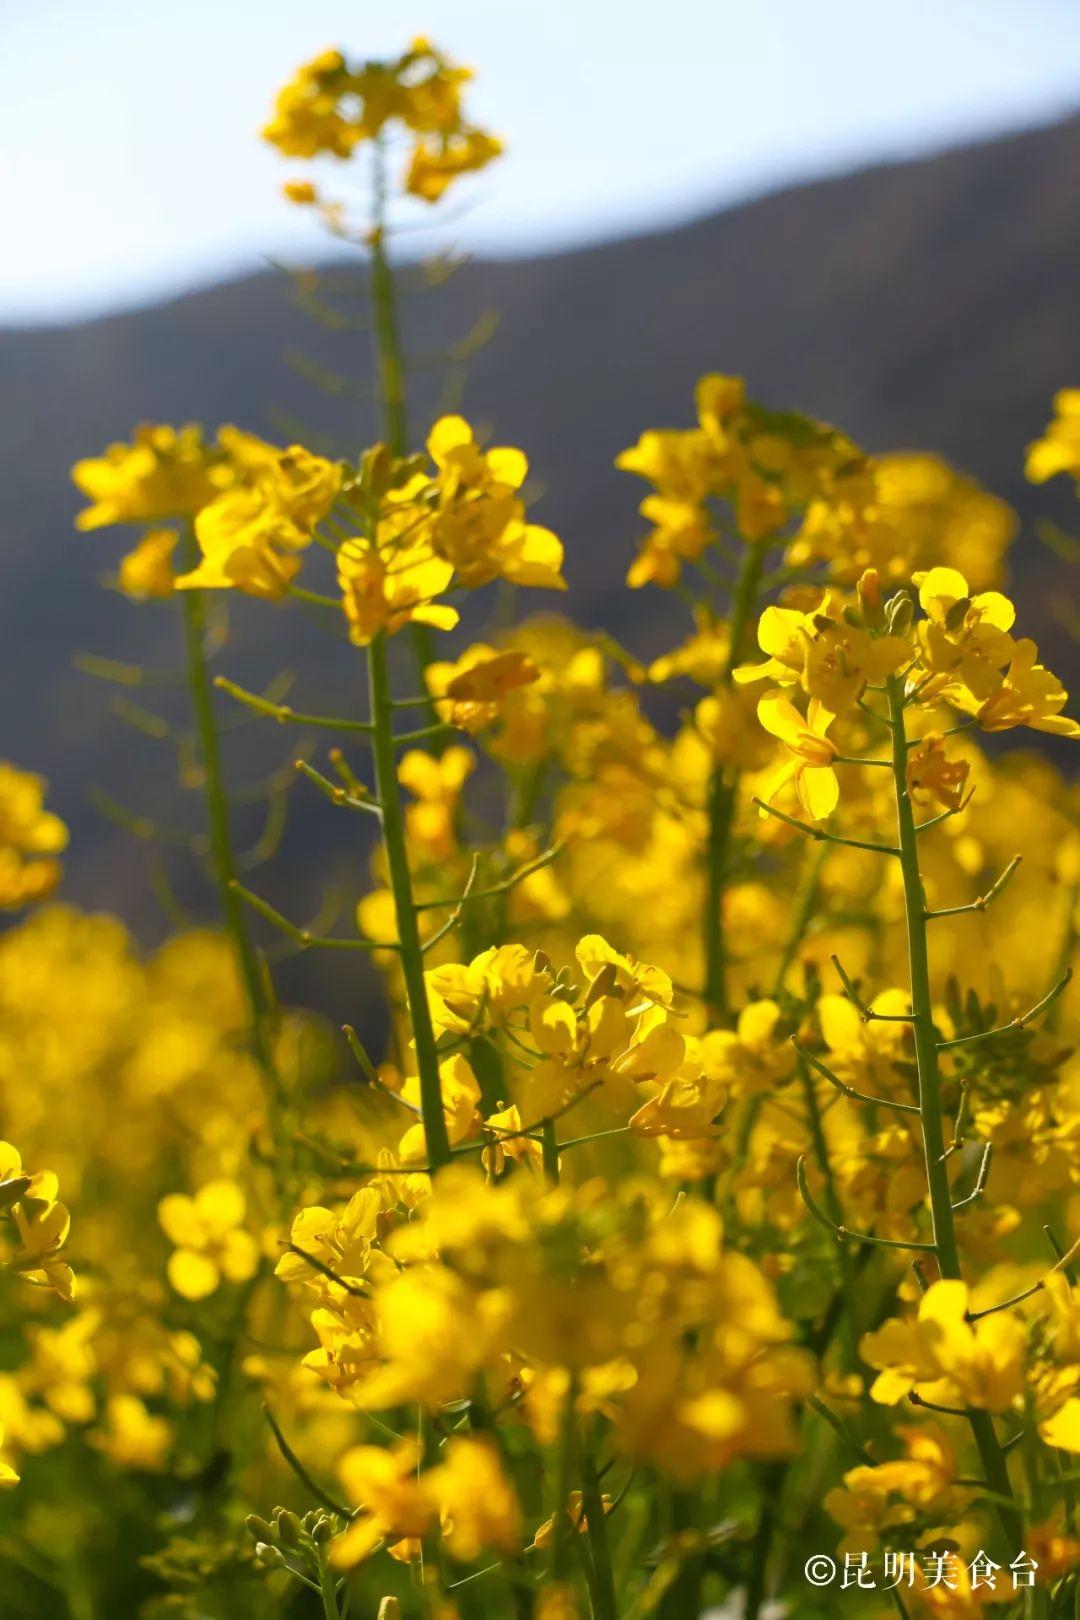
x: 330, y: 106
x: 147, y: 571
x: 946, y: 1357
x: 31, y: 838
x: 165, y: 472
x: 1058, y: 451
x: 811, y: 767
x: 469, y: 692
x: 210, y: 1238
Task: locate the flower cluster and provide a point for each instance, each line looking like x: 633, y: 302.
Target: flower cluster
x: 709, y: 1193
x: 461, y: 525
x: 31, y: 839
x: 41, y: 1224
x: 332, y: 106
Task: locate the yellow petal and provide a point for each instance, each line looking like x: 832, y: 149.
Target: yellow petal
x: 779, y: 715
x: 221, y: 1205
x: 179, y: 1220
x: 193, y: 1275
x: 1063, y: 1429
x: 448, y: 434
x: 819, y: 791
x: 941, y: 584
x: 778, y: 629
x: 509, y: 466
x: 240, y: 1256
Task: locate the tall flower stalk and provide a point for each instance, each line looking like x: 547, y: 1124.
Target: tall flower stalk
x: 223, y: 858
x: 409, y: 946
x: 931, y: 1118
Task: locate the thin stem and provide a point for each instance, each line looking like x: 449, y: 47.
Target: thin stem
x: 866, y: 1012
x: 284, y: 715
x: 821, y: 1152
x: 944, y: 815
x: 389, y: 361
x: 723, y: 795
x: 984, y: 900
x: 455, y: 916
x: 304, y: 938
x: 849, y: 1091
x: 926, y: 1056
x: 816, y: 1404
x: 328, y: 1272
x: 337, y: 794
x: 980, y: 1180
x: 328, y: 1588
x: 549, y: 1147
x: 300, y: 1471
x: 281, y: 712
x: 221, y: 846
x: 592, y: 1501
x: 1061, y: 1256
x: 562, y: 1527
x: 820, y: 835
x: 411, y: 950
x: 805, y: 902
x: 504, y: 887
x: 840, y: 1232
x: 1014, y: 1023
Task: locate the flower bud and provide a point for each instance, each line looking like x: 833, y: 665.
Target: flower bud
x: 288, y: 1527
x: 258, y: 1528
x: 870, y: 602
x: 269, y: 1557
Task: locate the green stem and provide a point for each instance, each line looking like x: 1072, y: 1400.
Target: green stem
x: 592, y: 1502
x: 221, y: 846
x: 723, y: 796
x: 806, y: 897
x: 682, y: 1599
x: 328, y: 1590
x: 772, y: 1485
x: 995, y: 1467
x: 844, y: 1260
x: 389, y: 362
x: 549, y: 1148
x: 562, y: 1529
x: 397, y: 861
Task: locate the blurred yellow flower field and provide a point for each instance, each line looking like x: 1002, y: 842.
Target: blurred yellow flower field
x: 712, y: 1217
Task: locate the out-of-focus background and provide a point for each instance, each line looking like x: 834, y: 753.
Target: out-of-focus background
x: 870, y: 210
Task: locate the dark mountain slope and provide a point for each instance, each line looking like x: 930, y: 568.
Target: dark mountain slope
x: 931, y: 303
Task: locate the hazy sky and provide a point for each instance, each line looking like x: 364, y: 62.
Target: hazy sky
x: 130, y: 164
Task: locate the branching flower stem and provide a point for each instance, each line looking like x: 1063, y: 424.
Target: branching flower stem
x: 222, y: 853
x: 723, y: 794
x: 389, y: 360
x: 926, y: 1054
x: 409, y: 945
